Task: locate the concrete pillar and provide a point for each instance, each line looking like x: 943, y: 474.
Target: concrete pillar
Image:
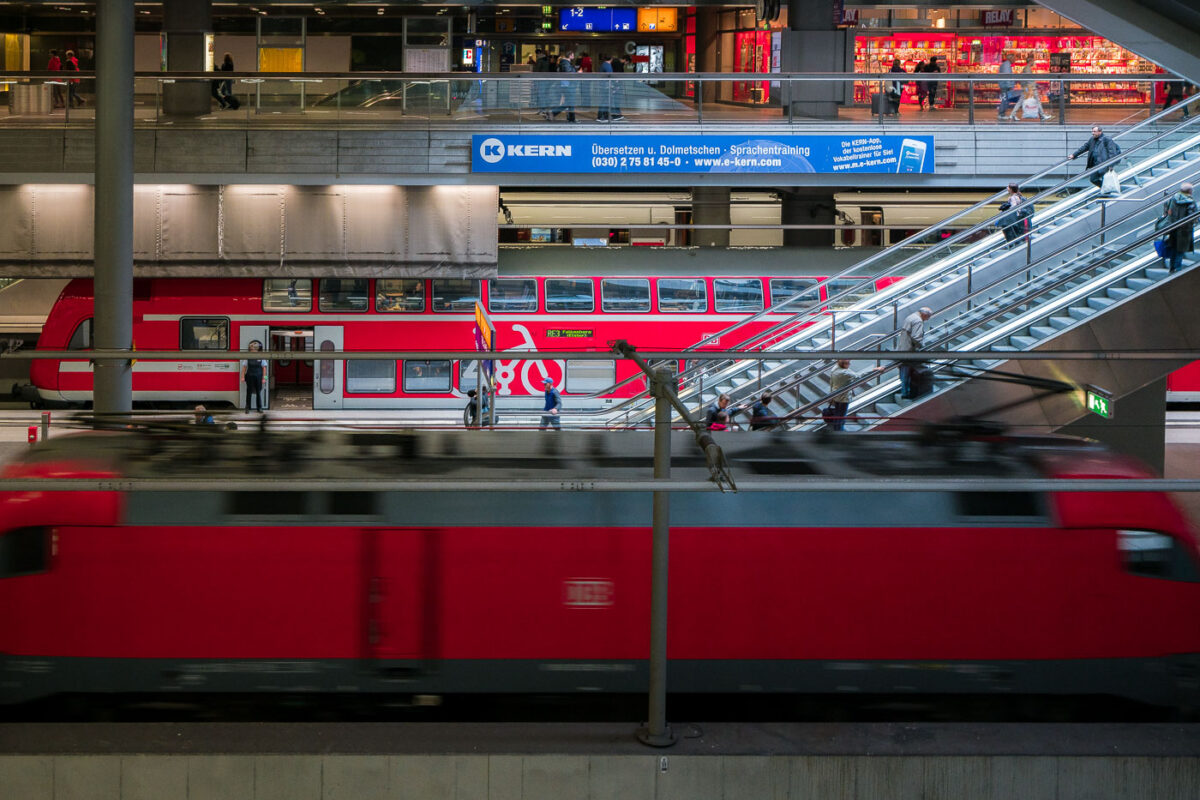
x: 706, y: 50
x: 1138, y: 428
x: 186, y: 22
x: 807, y: 207
x: 710, y: 206
x: 113, y: 378
x: 812, y: 43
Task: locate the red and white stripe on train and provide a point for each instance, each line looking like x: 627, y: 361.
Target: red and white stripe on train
x: 307, y: 316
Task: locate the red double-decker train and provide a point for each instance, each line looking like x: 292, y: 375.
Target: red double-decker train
x: 363, y: 587
x: 308, y: 316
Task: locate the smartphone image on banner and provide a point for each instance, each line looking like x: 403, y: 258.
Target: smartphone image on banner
x: 912, y: 156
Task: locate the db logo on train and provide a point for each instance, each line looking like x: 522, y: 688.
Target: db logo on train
x: 506, y: 371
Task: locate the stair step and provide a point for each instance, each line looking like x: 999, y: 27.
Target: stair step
x: 1004, y: 348
x: 1043, y: 331
x: 1061, y: 322
x: 1022, y: 342
x: 1138, y: 283
x: 1156, y: 273
x: 1118, y: 293
x: 1081, y: 312
x: 1099, y: 303
x: 887, y: 409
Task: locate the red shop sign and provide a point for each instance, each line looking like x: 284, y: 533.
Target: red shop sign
x: 849, y: 16
x: 997, y: 18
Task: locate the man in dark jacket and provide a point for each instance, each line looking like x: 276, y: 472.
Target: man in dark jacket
x: 541, y: 89
x: 1100, y: 148
x: 1182, y: 239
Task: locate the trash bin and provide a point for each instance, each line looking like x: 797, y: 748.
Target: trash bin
x: 29, y: 99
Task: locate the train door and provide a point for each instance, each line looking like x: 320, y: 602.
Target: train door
x: 246, y: 335
x: 327, y: 373
x: 401, y: 618
x: 872, y: 215
x: 291, y: 379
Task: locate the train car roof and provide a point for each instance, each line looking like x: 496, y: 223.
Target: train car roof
x: 188, y: 451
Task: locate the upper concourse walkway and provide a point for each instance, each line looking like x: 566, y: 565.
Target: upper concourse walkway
x: 419, y: 128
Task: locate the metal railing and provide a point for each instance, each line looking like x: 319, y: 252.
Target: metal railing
x: 373, y: 98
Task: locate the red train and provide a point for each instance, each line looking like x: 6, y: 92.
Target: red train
x: 530, y: 313
x: 465, y: 591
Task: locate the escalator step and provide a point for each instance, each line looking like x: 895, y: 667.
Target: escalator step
x: 1099, y: 303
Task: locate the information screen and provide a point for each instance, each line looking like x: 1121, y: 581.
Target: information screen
x: 603, y: 20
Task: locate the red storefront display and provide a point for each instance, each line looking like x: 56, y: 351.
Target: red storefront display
x: 958, y: 52
x: 753, y: 55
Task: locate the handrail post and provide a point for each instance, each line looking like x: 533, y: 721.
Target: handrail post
x: 970, y: 274
x: 699, y: 100
x: 1062, y: 102
x: 657, y: 733
x: 971, y: 102
x: 1103, y: 216
x: 832, y: 329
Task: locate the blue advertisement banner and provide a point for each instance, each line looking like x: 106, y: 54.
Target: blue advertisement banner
x: 701, y: 153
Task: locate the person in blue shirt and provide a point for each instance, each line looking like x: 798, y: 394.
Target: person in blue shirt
x: 203, y: 417
x: 551, y: 416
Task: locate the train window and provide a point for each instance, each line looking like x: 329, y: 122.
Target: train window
x: 403, y: 294
x: 467, y: 373
x: 343, y: 294
x: 512, y: 294
x: 590, y: 376
x: 328, y: 379
x: 998, y: 504
x: 266, y: 504
x: 625, y: 294
x: 455, y: 294
x: 203, y: 333
x: 371, y: 377
x: 786, y: 288
x: 426, y: 376
x: 1155, y: 555
x: 24, y: 551
x: 353, y: 504
x: 738, y: 294
x: 287, y: 294
x: 682, y: 294
x: 858, y: 289
x: 81, y: 339
x: 570, y: 294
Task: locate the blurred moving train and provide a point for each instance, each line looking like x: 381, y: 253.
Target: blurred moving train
x: 604, y: 217
x: 466, y: 591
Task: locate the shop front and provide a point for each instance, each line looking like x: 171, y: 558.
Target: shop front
x: 983, y: 52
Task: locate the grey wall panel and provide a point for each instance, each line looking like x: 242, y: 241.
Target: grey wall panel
x: 287, y: 231
x: 199, y: 151
x: 63, y: 221
x: 190, y: 222
x: 316, y: 223
x: 291, y: 151
x: 21, y: 151
x: 146, y: 222
x: 252, y: 222
x: 16, y: 234
x: 376, y: 222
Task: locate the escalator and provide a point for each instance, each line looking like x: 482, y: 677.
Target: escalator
x: 1076, y: 228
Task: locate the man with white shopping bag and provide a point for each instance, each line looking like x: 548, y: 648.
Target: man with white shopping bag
x: 1100, y: 148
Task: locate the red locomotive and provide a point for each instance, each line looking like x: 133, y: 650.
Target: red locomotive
x: 465, y: 591
x: 569, y: 312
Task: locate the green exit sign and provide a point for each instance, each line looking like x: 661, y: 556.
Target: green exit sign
x: 1099, y: 403
x: 547, y: 10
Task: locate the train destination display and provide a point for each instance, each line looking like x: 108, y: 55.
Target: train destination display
x: 686, y: 153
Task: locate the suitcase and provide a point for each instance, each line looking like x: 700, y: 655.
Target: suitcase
x: 921, y: 382
x: 234, y: 103
x: 880, y: 104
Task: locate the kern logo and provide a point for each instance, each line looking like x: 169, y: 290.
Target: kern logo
x: 491, y: 150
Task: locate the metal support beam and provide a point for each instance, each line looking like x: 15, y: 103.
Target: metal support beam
x: 657, y: 733
x: 113, y: 323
